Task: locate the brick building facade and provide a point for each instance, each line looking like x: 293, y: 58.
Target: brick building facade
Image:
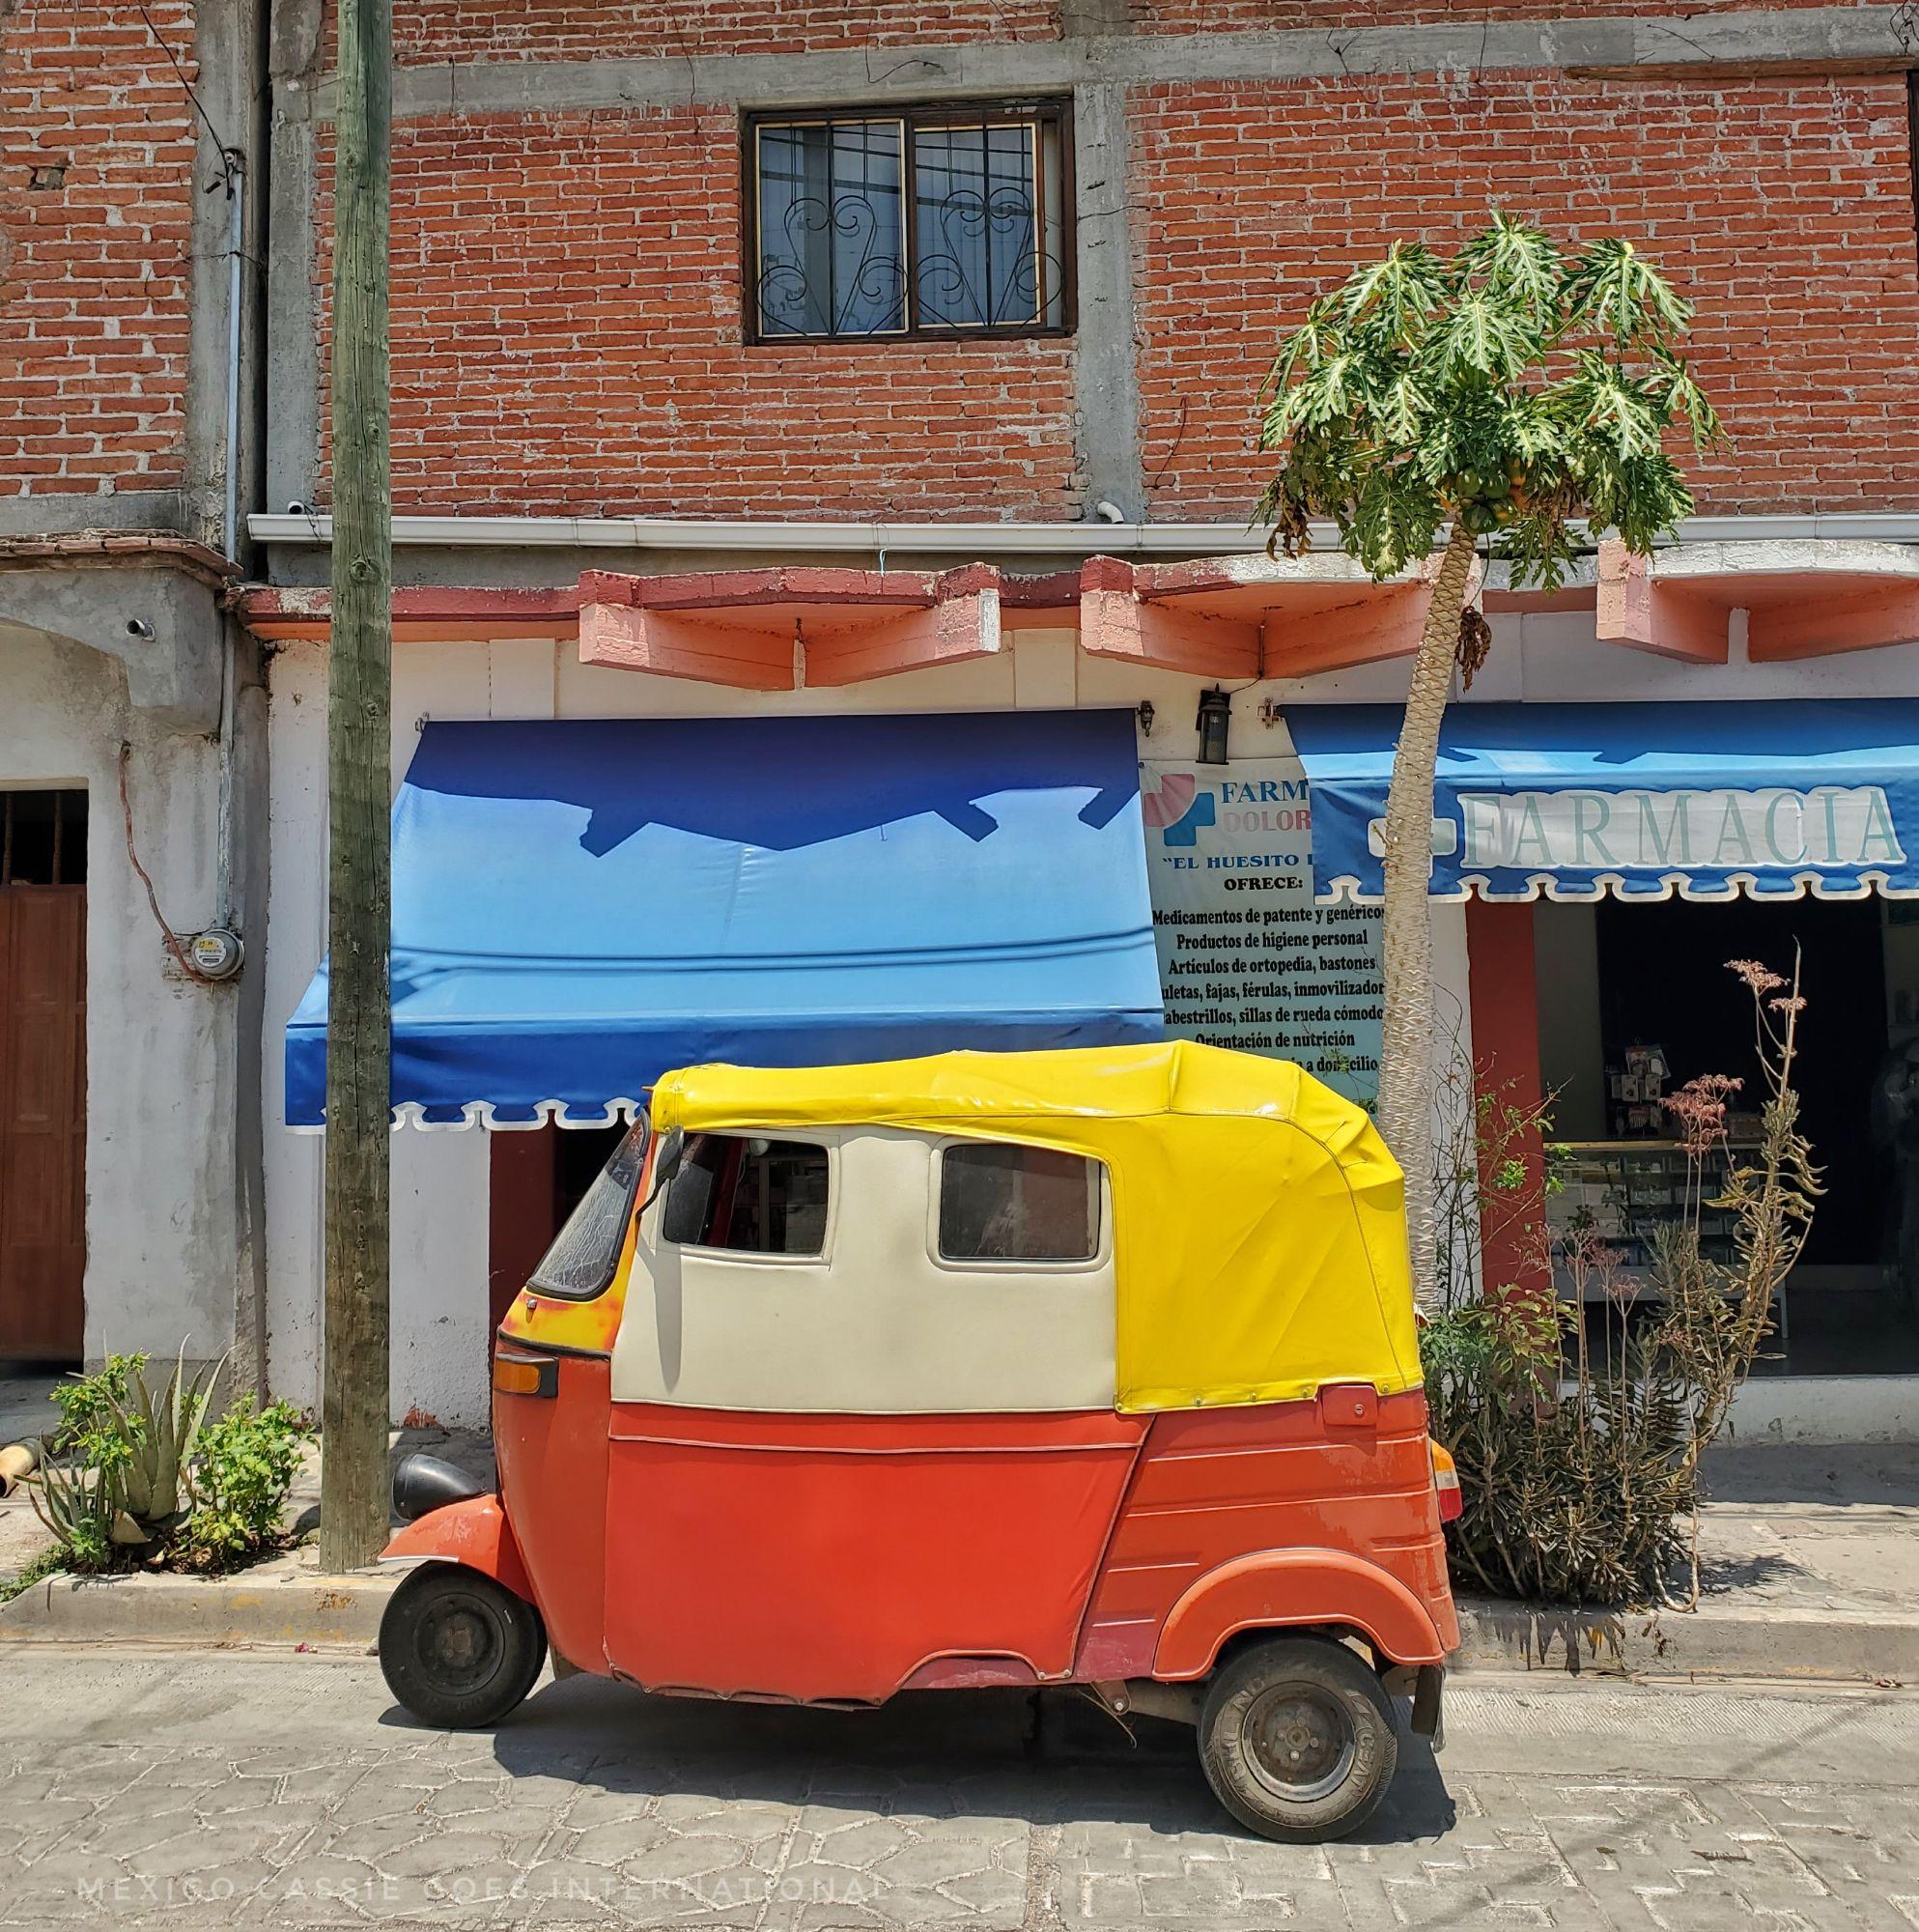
x: 597, y: 403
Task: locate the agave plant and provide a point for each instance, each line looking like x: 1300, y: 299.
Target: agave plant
x: 76, y: 1505
x: 122, y: 1477
x: 161, y: 1433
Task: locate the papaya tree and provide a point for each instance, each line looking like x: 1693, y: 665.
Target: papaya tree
x: 1514, y: 399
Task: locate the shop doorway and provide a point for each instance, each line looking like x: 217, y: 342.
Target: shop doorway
x: 43, y: 1074
x: 537, y: 1180
x: 1643, y: 1002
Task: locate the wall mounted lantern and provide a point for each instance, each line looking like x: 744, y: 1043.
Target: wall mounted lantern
x: 1214, y: 715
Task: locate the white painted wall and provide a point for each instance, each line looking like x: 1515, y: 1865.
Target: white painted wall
x: 163, y: 1225
x: 439, y: 1180
x: 1823, y: 1410
x: 439, y: 1257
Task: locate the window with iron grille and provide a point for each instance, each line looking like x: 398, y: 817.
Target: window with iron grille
x: 931, y: 222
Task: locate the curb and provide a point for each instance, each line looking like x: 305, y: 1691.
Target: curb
x: 1717, y: 1640
x: 200, y: 1613
x: 1831, y: 1645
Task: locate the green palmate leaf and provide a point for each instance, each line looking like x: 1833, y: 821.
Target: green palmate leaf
x: 1614, y: 410
x: 1530, y: 430
x: 1516, y: 265
x: 1398, y: 293
x: 1615, y: 290
x: 1405, y: 406
x: 1485, y: 335
x: 1680, y: 396
x: 1299, y: 352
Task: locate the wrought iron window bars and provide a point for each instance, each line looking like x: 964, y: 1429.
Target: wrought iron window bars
x: 947, y: 222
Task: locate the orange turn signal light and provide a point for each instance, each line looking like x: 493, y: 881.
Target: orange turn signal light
x: 525, y: 1374
x: 1446, y: 1480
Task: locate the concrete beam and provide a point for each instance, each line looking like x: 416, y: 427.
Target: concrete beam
x: 53, y: 516
x: 1861, y: 618
x: 1849, y: 38
x: 951, y: 631
x: 293, y: 302
x: 1122, y: 624
x: 163, y: 625
x: 752, y: 629
x: 1106, y: 375
x: 1383, y: 624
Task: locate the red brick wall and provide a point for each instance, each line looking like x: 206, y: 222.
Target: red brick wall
x: 454, y: 30
x: 567, y: 338
x: 1783, y: 208
x: 94, y: 263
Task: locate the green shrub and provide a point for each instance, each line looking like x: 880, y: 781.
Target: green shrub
x: 1579, y: 1472
x: 245, y: 1465
x: 136, y: 1472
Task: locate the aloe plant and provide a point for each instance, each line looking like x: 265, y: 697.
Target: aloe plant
x: 160, y: 1434
x: 75, y: 1505
x: 122, y: 1477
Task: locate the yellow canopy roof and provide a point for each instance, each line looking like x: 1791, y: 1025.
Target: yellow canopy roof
x: 1260, y: 1222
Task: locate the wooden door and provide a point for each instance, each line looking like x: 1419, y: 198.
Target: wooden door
x: 43, y: 1119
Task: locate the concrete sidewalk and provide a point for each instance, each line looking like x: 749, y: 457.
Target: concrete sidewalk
x: 25, y: 1412
x: 1809, y: 1569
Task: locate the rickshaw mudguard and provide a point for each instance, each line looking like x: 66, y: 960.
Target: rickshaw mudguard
x: 1286, y: 1588
x: 474, y: 1533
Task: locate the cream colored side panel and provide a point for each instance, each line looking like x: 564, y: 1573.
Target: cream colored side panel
x: 877, y: 1325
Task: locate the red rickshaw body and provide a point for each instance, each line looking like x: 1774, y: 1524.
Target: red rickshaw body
x: 1237, y: 1443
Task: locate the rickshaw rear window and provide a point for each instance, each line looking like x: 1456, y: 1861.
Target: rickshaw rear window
x: 585, y: 1251
x: 749, y: 1196
x: 1003, y: 1203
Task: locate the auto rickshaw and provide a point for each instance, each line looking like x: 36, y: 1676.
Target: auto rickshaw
x: 1094, y: 1367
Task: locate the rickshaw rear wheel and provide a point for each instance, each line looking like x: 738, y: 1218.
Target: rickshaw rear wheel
x: 458, y: 1650
x: 1297, y: 1739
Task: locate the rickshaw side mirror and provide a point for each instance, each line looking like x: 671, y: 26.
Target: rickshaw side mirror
x: 672, y: 1153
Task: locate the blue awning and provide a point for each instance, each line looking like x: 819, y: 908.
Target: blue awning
x: 579, y: 906
x: 1772, y: 799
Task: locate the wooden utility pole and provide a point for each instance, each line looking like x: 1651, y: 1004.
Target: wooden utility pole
x: 353, y: 1412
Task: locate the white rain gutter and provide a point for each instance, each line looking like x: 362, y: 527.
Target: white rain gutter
x: 961, y: 539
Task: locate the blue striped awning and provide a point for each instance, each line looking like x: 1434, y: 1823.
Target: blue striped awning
x: 1774, y: 798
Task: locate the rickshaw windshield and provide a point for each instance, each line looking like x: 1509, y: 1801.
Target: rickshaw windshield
x: 585, y: 1251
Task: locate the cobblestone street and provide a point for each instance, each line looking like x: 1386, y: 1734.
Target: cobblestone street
x: 245, y: 1791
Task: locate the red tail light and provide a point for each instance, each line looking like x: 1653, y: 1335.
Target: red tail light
x: 1446, y: 1480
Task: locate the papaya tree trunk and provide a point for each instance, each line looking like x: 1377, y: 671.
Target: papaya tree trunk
x: 1405, y: 1059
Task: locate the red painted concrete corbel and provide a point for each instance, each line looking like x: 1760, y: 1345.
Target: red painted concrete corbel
x: 686, y: 644
x: 1380, y: 624
x: 962, y: 622
x: 740, y: 628
x: 1635, y: 607
x: 1377, y: 623
x: 1118, y: 621
x: 1830, y: 621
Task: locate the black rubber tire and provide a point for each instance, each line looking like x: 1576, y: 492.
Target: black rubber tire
x: 1297, y: 1739
x: 458, y: 1650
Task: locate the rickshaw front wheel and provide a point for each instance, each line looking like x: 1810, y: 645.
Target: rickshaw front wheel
x: 458, y: 1650
x: 1297, y: 1740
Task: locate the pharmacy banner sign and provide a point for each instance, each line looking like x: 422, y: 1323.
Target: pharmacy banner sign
x: 1773, y: 800
x: 1247, y: 959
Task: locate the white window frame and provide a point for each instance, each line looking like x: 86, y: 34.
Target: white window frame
x: 1092, y: 1264
x: 746, y: 1257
